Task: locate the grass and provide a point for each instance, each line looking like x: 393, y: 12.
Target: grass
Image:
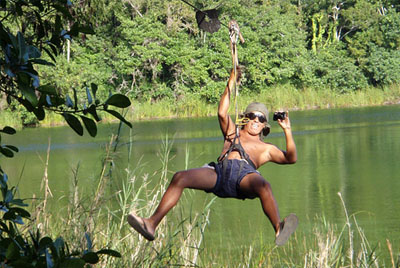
x: 276, y: 98
x: 101, y: 215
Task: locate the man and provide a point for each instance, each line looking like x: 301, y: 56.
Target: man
x: 235, y: 174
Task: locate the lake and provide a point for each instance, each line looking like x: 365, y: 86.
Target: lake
x: 351, y: 151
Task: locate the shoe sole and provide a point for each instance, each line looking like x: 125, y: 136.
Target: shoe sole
x: 289, y: 227
x: 139, y: 227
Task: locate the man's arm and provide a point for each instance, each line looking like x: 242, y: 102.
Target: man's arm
x: 225, y: 122
x: 290, y: 155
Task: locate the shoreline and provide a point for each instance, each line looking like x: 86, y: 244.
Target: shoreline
x: 279, y: 98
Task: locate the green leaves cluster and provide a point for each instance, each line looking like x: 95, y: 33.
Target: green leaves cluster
x: 19, y: 249
x: 150, y: 50
x: 74, y: 111
x: 27, y: 29
x: 46, y: 26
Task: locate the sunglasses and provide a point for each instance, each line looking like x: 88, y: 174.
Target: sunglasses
x: 253, y: 116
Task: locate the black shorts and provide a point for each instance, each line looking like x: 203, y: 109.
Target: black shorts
x: 228, y: 182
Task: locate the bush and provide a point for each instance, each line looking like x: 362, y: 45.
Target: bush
x: 331, y: 68
x: 31, y: 249
x: 383, y: 67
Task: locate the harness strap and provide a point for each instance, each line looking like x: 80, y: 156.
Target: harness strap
x: 234, y: 35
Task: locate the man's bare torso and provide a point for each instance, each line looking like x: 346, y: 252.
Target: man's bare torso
x: 252, y: 145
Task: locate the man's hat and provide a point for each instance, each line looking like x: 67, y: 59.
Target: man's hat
x: 257, y: 107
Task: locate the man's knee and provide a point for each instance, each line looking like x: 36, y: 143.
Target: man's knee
x: 178, y: 179
x: 264, y: 187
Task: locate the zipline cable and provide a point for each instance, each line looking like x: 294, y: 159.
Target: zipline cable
x: 235, y: 35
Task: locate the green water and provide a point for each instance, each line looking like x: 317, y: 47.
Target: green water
x: 351, y: 151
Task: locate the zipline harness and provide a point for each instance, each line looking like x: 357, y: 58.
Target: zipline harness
x: 235, y: 35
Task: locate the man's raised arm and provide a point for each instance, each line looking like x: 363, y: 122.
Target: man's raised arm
x: 225, y: 121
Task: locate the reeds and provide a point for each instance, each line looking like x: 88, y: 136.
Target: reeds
x: 327, y: 246
x: 102, y: 217
x: 278, y: 97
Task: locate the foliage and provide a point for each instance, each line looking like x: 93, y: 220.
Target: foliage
x: 41, y: 26
x: 18, y: 249
x: 33, y: 250
x: 28, y: 28
x: 383, y: 66
x: 331, y: 68
x: 153, y: 50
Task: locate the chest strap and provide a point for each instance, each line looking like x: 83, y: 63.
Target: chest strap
x: 238, y: 148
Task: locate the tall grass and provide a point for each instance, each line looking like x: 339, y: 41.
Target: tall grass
x: 180, y: 236
x: 279, y: 97
x: 102, y: 216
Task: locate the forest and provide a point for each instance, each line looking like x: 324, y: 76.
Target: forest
x: 154, y: 50
x: 85, y: 59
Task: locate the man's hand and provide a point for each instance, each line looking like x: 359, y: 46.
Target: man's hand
x: 238, y: 74
x: 285, y: 123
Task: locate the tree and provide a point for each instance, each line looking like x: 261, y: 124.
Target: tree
x: 40, y: 27
x: 27, y: 29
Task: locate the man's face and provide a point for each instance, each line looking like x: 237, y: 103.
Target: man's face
x: 256, y: 122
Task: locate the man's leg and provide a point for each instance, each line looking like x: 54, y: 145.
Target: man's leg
x: 254, y: 184
x: 198, y: 178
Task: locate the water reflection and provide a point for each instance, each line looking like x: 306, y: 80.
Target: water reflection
x: 352, y: 151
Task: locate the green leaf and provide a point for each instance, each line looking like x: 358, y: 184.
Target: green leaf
x: 69, y: 102
x: 86, y: 29
x: 74, y: 123
x: 90, y: 125
x: 12, y: 251
x: 75, y: 98
x: 13, y: 40
x: 6, y: 152
x: 62, y: 9
x: 12, y: 147
x: 42, y: 62
x: 89, y: 96
x: 119, y: 116
x: 78, y: 28
x: 91, y: 258
x: 33, y: 53
x: 48, y: 89
x: 34, y: 75
x: 118, y: 100
x: 19, y: 202
x: 39, y: 113
x: 20, y: 211
x: 50, y: 54
x: 93, y: 112
x: 23, y: 55
x: 45, y: 241
x: 8, y: 130
x: 26, y: 104
x: 94, y: 88
x: 9, y: 196
x: 72, y: 263
x: 109, y: 252
x: 28, y: 92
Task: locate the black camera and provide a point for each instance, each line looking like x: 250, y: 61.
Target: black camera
x: 279, y: 115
